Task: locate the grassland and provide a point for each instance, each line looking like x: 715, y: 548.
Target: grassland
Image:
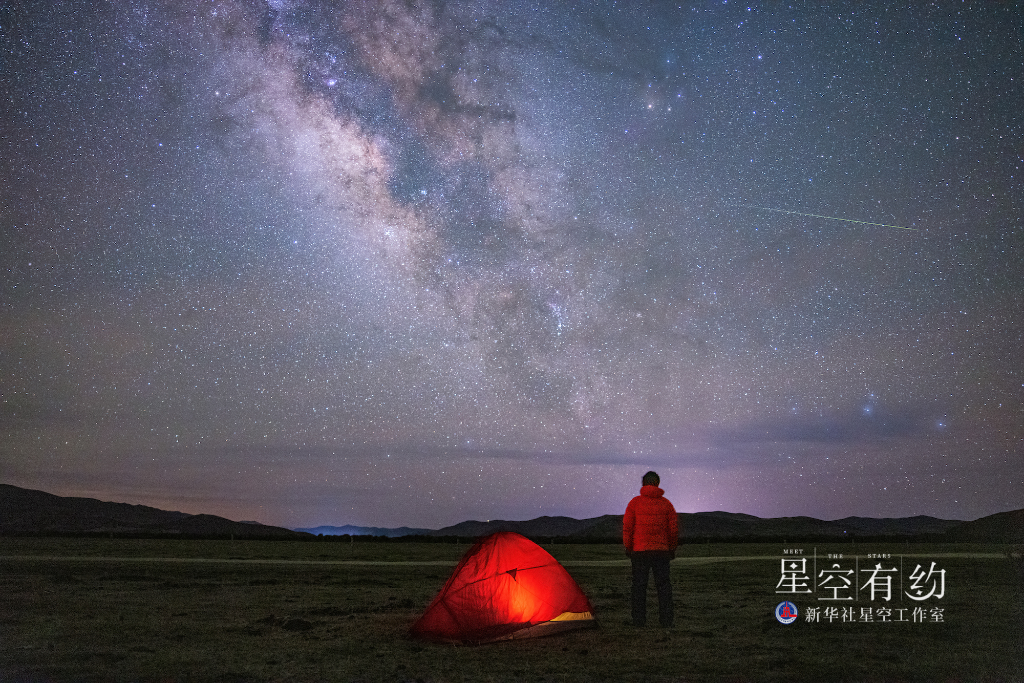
x: 130, y: 610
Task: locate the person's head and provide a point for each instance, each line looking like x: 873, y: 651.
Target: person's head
x: 651, y: 479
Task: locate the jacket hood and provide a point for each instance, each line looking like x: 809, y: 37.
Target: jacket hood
x: 651, y: 491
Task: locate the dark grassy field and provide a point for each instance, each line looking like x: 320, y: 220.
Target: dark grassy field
x: 128, y: 610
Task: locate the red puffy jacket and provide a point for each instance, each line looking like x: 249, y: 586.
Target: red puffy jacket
x: 650, y: 522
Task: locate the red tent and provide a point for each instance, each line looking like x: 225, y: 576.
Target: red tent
x: 506, y: 586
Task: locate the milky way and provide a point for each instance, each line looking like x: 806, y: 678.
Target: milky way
x: 417, y: 262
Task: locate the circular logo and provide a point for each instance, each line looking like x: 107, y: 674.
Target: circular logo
x: 785, y: 612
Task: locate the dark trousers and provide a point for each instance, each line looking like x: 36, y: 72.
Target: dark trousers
x: 644, y: 563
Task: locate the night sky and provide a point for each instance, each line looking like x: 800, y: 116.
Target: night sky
x: 412, y: 263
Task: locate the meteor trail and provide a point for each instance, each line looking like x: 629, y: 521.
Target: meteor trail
x: 814, y: 215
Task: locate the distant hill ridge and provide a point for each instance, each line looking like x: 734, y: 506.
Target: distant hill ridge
x: 1007, y: 527
x: 30, y: 512
x: 351, y: 530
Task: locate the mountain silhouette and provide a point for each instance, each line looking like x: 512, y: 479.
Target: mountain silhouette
x: 713, y: 525
x: 29, y: 512
x: 1002, y: 527
x: 352, y: 530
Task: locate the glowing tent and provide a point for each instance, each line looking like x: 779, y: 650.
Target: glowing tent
x: 506, y: 586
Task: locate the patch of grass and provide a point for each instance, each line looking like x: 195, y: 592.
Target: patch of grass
x: 134, y: 620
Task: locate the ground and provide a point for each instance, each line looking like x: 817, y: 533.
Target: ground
x: 136, y: 610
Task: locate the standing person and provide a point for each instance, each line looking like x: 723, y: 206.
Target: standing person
x: 650, y: 532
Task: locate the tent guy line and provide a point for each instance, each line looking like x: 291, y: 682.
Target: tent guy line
x: 816, y: 215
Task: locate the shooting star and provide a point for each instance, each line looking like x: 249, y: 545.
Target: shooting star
x: 815, y: 215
